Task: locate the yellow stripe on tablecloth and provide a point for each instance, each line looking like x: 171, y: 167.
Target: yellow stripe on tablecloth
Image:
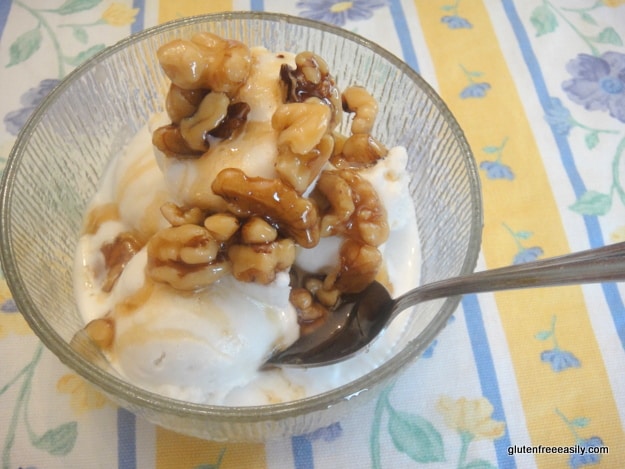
x: 174, y: 9
x: 524, y: 204
x: 175, y: 451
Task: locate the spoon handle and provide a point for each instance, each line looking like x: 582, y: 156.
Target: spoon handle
x: 602, y: 264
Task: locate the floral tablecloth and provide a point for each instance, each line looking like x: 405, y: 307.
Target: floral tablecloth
x: 517, y: 379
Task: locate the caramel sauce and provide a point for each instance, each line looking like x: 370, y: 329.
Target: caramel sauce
x: 99, y: 215
x: 133, y: 302
x: 139, y: 168
x: 117, y: 254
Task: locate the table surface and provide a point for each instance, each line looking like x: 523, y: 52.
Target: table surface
x: 517, y: 379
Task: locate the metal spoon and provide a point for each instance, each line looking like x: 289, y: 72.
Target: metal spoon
x: 354, y: 325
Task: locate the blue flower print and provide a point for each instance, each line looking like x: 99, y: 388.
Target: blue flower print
x: 15, y: 120
x: 523, y: 254
x: 578, y: 460
x: 452, y: 19
x: 559, y: 360
x: 497, y: 170
x: 559, y: 117
x: 598, y: 83
x: 430, y: 350
x: 475, y: 90
x: 528, y: 255
x: 8, y: 306
x: 339, y: 13
x: 590, y: 448
x: 456, y: 22
x: 327, y: 434
x: 562, y: 121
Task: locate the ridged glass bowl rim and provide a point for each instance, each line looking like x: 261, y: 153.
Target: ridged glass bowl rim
x: 141, y: 398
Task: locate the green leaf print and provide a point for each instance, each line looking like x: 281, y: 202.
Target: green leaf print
x: 80, y: 34
x: 592, y: 203
x: 84, y: 55
x: 580, y: 422
x: 524, y: 234
x: 544, y: 20
x: 491, y: 149
x: 543, y: 335
x: 74, y: 6
x: 587, y: 18
x: 416, y: 437
x: 217, y: 465
x: 479, y: 464
x: 24, y: 46
x: 58, y: 441
x: 609, y: 36
x: 591, y: 139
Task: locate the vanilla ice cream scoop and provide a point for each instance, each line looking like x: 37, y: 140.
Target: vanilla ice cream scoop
x: 200, y: 346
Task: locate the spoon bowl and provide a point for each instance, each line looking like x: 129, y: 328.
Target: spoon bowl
x: 361, y: 318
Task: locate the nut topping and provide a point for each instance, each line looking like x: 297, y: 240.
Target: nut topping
x: 185, y: 257
x: 179, y: 216
x: 311, y: 79
x: 280, y: 205
x: 359, y: 151
x: 207, y: 61
x: 359, y: 266
x: 181, y: 103
x: 210, y: 113
x: 170, y: 141
x: 357, y: 99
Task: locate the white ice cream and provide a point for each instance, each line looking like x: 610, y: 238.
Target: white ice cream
x: 207, y: 345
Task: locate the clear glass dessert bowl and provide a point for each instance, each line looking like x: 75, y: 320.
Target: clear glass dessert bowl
x: 55, y: 166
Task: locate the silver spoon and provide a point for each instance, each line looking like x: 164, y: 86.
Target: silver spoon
x: 356, y: 323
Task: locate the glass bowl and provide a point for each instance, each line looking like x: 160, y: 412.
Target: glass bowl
x: 61, y: 153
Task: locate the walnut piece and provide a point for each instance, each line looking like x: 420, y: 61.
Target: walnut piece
x: 301, y: 125
x: 181, y: 103
x: 305, y: 143
x: 300, y: 170
x: 310, y: 313
x: 279, y: 204
x: 117, y: 254
x: 256, y: 230
x: 260, y: 262
x: 311, y: 79
x: 185, y: 257
x: 207, y: 61
x: 359, y: 265
x: 357, y: 99
x: 369, y: 222
x: 221, y: 226
x: 180, y: 216
x: 209, y: 114
x: 170, y: 141
x: 354, y: 208
x: 236, y: 116
x: 338, y: 193
x: 358, y: 151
